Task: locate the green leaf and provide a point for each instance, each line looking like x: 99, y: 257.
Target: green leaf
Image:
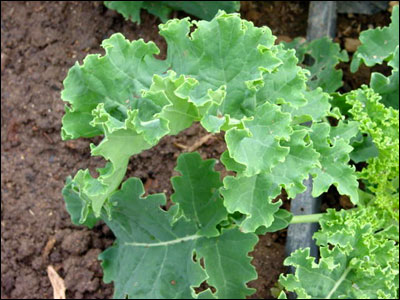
x: 129, y: 9
x: 316, y: 108
x: 115, y: 79
x: 388, y: 87
x: 170, y: 94
x: 299, y: 44
x: 377, y: 45
x: 285, y: 85
x: 253, y: 197
x: 205, y: 10
x: 230, y: 164
x: 355, y: 262
x: 77, y: 208
x: 197, y: 193
x: 202, y: 9
x: 153, y: 256
x: 236, y: 59
x: 382, y: 125
x: 122, y: 139
x: 282, y: 220
x: 363, y: 149
x: 344, y: 130
x: 320, y: 57
x: 227, y: 263
x: 334, y: 159
x: 302, y: 158
x: 326, y: 55
x: 261, y: 137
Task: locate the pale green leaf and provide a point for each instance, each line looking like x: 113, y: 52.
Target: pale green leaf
x: 302, y: 158
x: 316, y: 108
x: 237, y: 57
x: 170, y: 94
x: 115, y: 79
x: 285, y: 85
x: 258, y: 145
x: 230, y: 164
x: 253, y: 197
x: 344, y: 130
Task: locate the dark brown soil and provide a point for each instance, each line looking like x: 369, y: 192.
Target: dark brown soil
x: 39, y: 43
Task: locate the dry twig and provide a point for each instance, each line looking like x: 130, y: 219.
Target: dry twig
x: 57, y: 283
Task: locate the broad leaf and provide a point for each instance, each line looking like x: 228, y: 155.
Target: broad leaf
x: 197, y: 193
x: 153, y: 256
x: 363, y: 149
x: 316, y: 108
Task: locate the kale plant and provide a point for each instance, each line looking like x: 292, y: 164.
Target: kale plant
x: 229, y: 76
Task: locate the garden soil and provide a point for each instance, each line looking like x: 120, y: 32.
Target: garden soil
x: 39, y: 43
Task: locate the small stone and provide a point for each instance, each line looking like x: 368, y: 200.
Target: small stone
x: 351, y: 44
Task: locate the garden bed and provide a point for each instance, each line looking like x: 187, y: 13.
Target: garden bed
x: 40, y: 42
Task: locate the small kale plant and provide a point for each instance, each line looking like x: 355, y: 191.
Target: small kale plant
x: 229, y: 76
x: 358, y: 247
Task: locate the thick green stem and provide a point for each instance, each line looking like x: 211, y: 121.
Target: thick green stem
x: 306, y: 218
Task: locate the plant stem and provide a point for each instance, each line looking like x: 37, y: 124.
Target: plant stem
x: 313, y: 218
